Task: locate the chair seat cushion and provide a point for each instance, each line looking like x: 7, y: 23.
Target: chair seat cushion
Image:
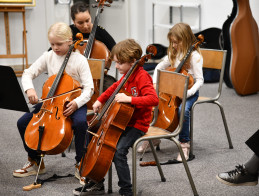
x: 203, y: 98
x: 155, y: 131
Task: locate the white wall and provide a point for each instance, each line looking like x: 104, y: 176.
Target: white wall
x: 38, y: 20
x: 124, y: 19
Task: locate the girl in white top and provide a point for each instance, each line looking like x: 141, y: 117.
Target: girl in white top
x: 60, y: 38
x: 180, y: 39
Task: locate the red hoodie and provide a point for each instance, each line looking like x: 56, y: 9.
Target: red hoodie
x: 144, y: 97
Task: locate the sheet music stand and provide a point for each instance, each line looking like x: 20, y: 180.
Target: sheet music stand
x: 11, y: 95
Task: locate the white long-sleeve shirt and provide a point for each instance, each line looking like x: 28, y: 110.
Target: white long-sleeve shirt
x: 196, y: 62
x: 77, y: 67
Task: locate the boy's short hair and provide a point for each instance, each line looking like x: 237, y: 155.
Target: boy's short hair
x: 127, y: 51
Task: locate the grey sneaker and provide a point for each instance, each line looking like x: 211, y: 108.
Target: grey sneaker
x: 238, y: 177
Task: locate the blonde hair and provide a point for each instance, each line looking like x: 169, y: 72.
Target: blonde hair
x: 127, y: 51
x: 61, y: 30
x: 182, y: 32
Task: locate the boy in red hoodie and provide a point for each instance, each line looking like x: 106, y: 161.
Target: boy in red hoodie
x: 144, y: 97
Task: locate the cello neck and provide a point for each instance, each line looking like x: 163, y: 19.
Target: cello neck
x: 193, y: 46
x: 60, y: 73
x: 151, y: 51
x: 179, y: 67
x: 119, y: 87
x: 92, y: 34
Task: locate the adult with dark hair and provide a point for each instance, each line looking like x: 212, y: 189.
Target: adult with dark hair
x: 80, y: 14
x: 247, y: 174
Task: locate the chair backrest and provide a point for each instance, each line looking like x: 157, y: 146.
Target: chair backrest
x: 215, y: 59
x: 175, y: 84
x: 97, y: 71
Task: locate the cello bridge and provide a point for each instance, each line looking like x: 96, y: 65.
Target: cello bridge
x: 45, y: 110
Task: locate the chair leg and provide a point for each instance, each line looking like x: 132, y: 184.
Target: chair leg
x: 191, y: 129
x: 163, y: 179
x: 225, y: 124
x: 134, y: 166
x: 186, y: 166
x: 110, y: 180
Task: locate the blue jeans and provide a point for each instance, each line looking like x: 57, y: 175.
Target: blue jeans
x: 79, y: 126
x: 184, y: 135
x: 127, y: 139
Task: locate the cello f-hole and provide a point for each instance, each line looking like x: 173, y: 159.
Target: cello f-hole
x: 98, y: 141
x: 169, y: 102
x: 56, y: 115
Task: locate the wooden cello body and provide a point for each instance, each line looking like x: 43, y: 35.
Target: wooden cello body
x: 169, y: 106
x: 245, y: 51
x: 57, y: 134
x: 101, y: 149
x: 49, y: 131
x: 111, y: 123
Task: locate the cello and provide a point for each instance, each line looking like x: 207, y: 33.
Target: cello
x: 113, y: 120
x: 244, y: 68
x: 227, y: 43
x: 97, y: 50
x: 49, y: 131
x: 168, y: 105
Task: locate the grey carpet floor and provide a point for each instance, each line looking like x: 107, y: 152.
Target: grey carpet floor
x: 210, y: 148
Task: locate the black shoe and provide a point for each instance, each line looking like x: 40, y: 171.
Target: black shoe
x: 128, y: 193
x: 238, y: 177
x: 90, y: 189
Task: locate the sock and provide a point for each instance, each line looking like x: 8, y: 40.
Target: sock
x: 252, y: 165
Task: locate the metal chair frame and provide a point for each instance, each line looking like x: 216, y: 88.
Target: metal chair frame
x: 164, y: 80
x: 213, y: 59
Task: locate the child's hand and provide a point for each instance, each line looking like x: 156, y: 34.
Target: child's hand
x: 122, y: 98
x: 32, y: 96
x: 71, y: 107
x: 97, y: 106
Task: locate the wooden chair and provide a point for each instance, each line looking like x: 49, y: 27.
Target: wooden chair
x: 166, y: 83
x: 212, y: 59
x: 97, y: 71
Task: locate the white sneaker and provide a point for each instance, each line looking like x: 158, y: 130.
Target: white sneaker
x: 145, y: 145
x: 186, y: 151
x: 30, y: 168
x: 77, y: 175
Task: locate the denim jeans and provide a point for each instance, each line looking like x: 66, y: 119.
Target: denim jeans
x: 79, y: 126
x: 127, y: 139
x: 184, y: 135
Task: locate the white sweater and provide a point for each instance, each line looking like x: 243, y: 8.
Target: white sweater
x: 196, y: 62
x: 77, y: 67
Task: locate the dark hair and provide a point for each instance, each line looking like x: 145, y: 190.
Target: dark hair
x: 79, y: 7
